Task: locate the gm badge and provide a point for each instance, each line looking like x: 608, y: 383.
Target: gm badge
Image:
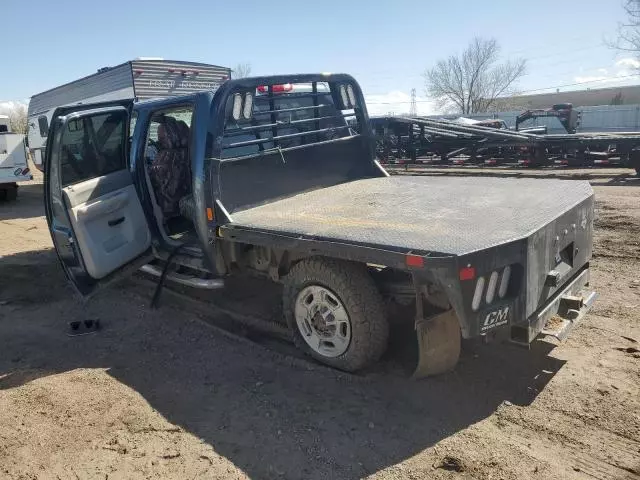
x: 495, y: 319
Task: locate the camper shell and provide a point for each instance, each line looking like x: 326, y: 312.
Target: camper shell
x: 139, y: 79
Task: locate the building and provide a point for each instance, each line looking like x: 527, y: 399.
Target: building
x: 627, y: 95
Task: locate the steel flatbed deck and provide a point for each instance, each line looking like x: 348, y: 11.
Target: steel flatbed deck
x: 448, y: 216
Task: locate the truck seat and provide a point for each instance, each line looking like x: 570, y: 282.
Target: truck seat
x: 170, y: 171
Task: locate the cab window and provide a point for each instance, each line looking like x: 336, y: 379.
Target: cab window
x: 92, y: 147
x: 43, y: 126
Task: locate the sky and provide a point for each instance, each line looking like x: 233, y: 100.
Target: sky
x: 386, y: 45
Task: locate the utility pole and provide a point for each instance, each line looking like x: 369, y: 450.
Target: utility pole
x: 413, y: 109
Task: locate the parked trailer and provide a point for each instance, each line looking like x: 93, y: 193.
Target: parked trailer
x: 139, y: 79
x: 448, y: 140
x: 13, y: 160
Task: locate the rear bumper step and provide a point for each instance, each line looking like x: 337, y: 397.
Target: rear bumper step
x: 189, y: 281
x: 560, y: 315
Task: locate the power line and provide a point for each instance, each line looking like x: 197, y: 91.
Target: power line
x: 527, y: 91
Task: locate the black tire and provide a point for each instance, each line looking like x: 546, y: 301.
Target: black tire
x: 638, y: 171
x: 12, y: 194
x: 355, y: 288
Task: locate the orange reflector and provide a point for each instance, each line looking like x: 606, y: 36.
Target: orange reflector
x: 209, y: 214
x: 467, y: 273
x: 414, y: 261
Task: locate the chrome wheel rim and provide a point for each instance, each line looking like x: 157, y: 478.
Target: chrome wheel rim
x: 323, y: 321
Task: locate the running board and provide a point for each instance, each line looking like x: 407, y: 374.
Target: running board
x: 195, y: 282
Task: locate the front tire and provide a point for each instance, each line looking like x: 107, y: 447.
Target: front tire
x: 336, y: 313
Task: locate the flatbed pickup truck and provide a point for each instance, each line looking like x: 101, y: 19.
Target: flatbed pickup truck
x: 277, y: 176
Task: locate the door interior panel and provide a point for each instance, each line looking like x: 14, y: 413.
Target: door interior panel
x: 108, y: 221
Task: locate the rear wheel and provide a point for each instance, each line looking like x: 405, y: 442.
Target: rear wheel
x: 336, y: 313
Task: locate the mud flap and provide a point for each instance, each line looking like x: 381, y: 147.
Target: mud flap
x: 438, y: 344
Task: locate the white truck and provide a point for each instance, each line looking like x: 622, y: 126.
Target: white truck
x: 141, y: 79
x: 13, y: 160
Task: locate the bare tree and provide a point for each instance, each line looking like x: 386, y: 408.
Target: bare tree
x: 628, y: 38
x: 618, y: 99
x: 471, y: 82
x: 242, y: 70
x: 18, y: 119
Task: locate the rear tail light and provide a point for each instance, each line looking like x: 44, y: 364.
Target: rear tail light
x: 491, y: 287
x: 467, y: 273
x: 504, y: 281
x: 498, y: 284
x: 477, y: 294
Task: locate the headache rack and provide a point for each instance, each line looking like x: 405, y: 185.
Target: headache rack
x: 286, y: 113
x: 273, y: 137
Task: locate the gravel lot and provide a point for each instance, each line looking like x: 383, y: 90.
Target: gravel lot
x: 163, y: 394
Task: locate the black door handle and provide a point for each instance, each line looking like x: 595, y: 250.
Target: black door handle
x: 117, y: 221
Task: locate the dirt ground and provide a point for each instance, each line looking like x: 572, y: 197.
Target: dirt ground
x: 163, y: 394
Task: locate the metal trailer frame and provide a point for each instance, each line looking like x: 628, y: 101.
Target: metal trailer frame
x: 446, y: 140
